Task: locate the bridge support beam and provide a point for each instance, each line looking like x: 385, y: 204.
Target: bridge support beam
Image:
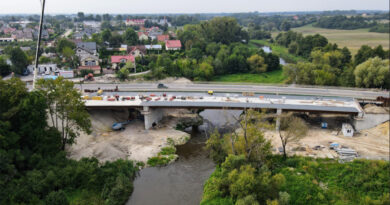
x: 151, y: 116
x: 278, y: 113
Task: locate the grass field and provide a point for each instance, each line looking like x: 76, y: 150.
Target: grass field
x: 353, y: 39
x: 278, y: 50
x: 275, y: 77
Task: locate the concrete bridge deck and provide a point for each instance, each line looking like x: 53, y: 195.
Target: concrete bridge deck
x: 153, y: 105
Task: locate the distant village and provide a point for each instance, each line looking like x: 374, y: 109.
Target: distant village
x: 153, y: 36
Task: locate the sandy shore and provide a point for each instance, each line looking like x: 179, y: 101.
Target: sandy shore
x: 133, y: 143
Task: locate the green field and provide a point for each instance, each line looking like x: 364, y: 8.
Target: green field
x: 353, y: 39
x: 275, y: 77
x: 278, y: 50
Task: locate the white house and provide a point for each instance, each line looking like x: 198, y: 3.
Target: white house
x: 44, y: 68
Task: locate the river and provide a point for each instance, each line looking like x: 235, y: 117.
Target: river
x: 269, y: 50
x: 182, y: 181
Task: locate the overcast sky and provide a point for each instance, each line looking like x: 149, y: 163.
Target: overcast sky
x: 187, y: 6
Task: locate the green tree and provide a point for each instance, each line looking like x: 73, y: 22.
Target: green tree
x: 204, y: 71
x: 65, y: 108
x: 56, y: 198
x: 44, y: 59
x: 130, y: 37
x: 300, y: 73
x: 364, y: 53
x: 291, y: 129
x: 63, y: 43
x: 257, y: 64
x: 248, y: 141
x: 19, y: 60
x: 106, y: 35
x: 373, y: 73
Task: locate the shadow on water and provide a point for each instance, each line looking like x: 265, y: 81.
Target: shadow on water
x: 182, y: 181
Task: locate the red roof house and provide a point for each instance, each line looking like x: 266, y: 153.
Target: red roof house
x: 162, y: 38
x: 122, y: 59
x: 173, y: 45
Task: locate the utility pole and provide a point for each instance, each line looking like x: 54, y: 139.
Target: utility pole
x: 38, y: 45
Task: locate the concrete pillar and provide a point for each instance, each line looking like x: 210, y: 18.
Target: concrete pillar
x: 278, y: 113
x: 151, y: 116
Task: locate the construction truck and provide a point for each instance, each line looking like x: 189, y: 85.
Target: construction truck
x: 89, y: 77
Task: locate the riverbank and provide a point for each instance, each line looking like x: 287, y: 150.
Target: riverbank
x: 134, y: 143
x: 273, y: 77
x: 281, y: 51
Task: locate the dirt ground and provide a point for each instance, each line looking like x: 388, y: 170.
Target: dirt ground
x: 134, y: 143
x: 371, y: 144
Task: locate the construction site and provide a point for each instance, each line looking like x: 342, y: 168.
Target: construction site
x: 136, y: 143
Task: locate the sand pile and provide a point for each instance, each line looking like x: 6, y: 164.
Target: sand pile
x: 373, y: 109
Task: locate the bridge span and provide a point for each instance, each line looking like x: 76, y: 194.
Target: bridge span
x: 152, y: 105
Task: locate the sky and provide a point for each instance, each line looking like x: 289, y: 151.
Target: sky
x: 185, y: 6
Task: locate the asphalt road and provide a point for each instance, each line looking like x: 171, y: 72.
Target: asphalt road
x: 260, y: 89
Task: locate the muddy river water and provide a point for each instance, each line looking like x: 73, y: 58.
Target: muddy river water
x: 182, y: 181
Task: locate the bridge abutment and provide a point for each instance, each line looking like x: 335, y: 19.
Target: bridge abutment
x: 152, y: 116
x: 278, y: 113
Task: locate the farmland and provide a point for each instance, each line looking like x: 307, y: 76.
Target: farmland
x: 353, y: 39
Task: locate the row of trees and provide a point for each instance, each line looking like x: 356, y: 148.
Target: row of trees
x: 34, y: 168
x: 333, y: 66
x: 300, y: 45
x: 344, y: 22
x: 215, y: 59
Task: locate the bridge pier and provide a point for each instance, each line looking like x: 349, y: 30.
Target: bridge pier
x: 278, y: 113
x: 151, y: 116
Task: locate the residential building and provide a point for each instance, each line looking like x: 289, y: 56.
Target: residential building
x: 96, y: 69
x: 137, y: 51
x: 143, y: 36
x: 85, y: 49
x: 135, y: 22
x: 173, y: 45
x: 162, y: 38
x: 89, y: 60
x: 153, y: 47
x: 116, y: 60
x: 3, y: 40
x: 154, y: 32
x: 44, y: 68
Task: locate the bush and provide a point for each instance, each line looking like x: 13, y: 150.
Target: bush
x: 56, y: 198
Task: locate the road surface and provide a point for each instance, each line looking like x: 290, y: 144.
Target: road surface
x: 282, y: 90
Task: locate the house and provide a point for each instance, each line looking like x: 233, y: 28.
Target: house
x: 143, y: 36
x: 135, y: 22
x: 43, y: 68
x: 154, y: 32
x: 92, y: 24
x: 124, y: 47
x: 162, y: 38
x: 347, y: 130
x: 173, y: 45
x: 3, y: 40
x: 85, y: 49
x: 153, y: 47
x: 89, y: 60
x: 96, y: 69
x: 116, y: 60
x: 22, y: 36
x: 137, y: 51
